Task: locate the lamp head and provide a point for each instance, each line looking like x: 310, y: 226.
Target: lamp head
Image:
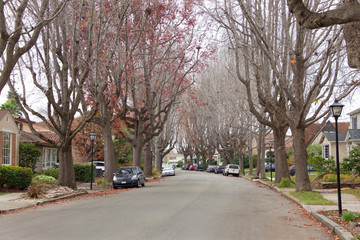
x: 92, y: 136
x: 336, y: 108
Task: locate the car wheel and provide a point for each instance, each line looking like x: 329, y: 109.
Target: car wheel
x: 138, y: 183
x: 115, y: 187
x: 143, y: 183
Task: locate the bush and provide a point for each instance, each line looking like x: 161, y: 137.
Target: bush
x: 15, y: 177
x: 180, y: 163
x: 35, y: 191
x: 53, y: 172
x: 43, y: 179
x: 28, y: 155
x: 83, y: 172
x: 285, y: 183
x: 349, y: 216
x: 323, y: 165
x: 352, y: 162
x: 101, y: 182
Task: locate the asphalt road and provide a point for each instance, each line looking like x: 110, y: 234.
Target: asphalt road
x: 190, y: 205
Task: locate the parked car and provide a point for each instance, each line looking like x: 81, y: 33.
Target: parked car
x: 199, y: 168
x: 131, y: 176
x: 292, y: 169
x: 187, y: 166
x: 232, y: 169
x: 168, y: 171
x: 192, y: 167
x: 211, y: 168
x: 100, y: 168
x: 219, y: 169
x: 267, y: 167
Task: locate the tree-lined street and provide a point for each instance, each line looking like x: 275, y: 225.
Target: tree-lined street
x: 190, y: 205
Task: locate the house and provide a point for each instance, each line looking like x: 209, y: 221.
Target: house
x: 9, y: 139
x: 49, y: 152
x: 353, y: 134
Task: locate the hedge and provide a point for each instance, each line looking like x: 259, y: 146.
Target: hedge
x: 15, y: 177
x: 83, y: 172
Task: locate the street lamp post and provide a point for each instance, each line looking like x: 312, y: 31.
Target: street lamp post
x: 92, y: 137
x: 336, y: 109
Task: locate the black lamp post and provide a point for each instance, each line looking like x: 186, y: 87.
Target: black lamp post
x: 336, y: 109
x: 92, y: 137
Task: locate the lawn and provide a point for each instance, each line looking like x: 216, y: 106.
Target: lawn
x: 311, y: 198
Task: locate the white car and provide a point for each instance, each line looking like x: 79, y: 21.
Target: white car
x: 168, y: 170
x: 232, y: 169
x: 99, y: 165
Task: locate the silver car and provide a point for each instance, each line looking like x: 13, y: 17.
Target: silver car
x: 168, y: 170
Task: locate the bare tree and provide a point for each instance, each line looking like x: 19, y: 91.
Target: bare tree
x: 20, y: 25
x: 60, y: 68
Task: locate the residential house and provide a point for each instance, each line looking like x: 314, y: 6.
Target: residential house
x: 49, y: 151
x: 353, y: 134
x: 9, y: 139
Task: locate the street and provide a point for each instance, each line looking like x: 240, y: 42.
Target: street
x: 190, y: 205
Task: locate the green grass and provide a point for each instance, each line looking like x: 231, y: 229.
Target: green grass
x: 311, y: 198
x: 3, y: 193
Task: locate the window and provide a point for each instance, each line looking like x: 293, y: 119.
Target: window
x: 325, y: 151
x: 50, y: 157
x: 354, y: 122
x: 6, y: 148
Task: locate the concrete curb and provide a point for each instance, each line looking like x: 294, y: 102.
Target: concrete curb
x: 336, y: 228
x: 61, y: 198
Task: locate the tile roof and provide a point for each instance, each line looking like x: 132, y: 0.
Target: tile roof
x: 32, y: 138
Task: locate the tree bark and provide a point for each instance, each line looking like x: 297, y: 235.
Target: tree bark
x: 109, y: 156
x: 147, y: 160
x: 300, y: 154
x: 281, y: 166
x: 66, y: 174
x: 137, y: 149
x: 260, y: 165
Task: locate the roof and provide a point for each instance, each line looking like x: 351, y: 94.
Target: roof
x: 328, y: 127
x: 331, y: 137
x: 32, y: 138
x: 354, y: 134
x: 3, y: 113
x: 354, y: 112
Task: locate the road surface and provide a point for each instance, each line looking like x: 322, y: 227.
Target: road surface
x: 190, y: 205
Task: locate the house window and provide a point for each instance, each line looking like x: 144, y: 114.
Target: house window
x: 354, y: 123
x: 50, y: 157
x: 325, y: 151
x: 6, y: 148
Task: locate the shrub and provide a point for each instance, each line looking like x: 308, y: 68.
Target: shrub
x: 83, y: 172
x: 352, y: 162
x: 101, y: 182
x: 180, y: 163
x: 349, y: 216
x: 43, y: 179
x: 323, y: 165
x: 155, y: 173
x: 53, y: 172
x: 28, y: 155
x: 285, y: 183
x: 15, y: 177
x: 35, y: 191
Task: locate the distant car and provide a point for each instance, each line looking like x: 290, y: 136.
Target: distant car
x: 292, y: 169
x: 232, y: 169
x: 219, y: 169
x: 192, y: 167
x: 168, y: 171
x: 211, y: 168
x: 131, y: 176
x: 267, y: 167
x: 100, y: 168
x: 187, y: 166
x: 199, y: 168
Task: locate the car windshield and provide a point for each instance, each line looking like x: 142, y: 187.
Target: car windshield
x: 234, y: 166
x: 99, y: 164
x: 168, y: 168
x: 125, y: 171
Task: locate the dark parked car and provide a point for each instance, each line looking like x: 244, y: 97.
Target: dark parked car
x: 219, y: 169
x: 211, y: 168
x: 199, y: 168
x: 131, y: 176
x: 292, y: 169
x: 267, y: 167
x: 187, y: 166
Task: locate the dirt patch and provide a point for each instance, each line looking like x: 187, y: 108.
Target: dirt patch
x: 351, y: 226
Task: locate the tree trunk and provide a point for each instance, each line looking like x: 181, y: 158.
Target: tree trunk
x: 260, y: 165
x: 281, y: 166
x: 300, y: 154
x: 147, y: 160
x: 251, y: 164
x: 66, y: 173
x: 232, y: 159
x: 109, y: 156
x: 158, y: 163
x: 137, y: 149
